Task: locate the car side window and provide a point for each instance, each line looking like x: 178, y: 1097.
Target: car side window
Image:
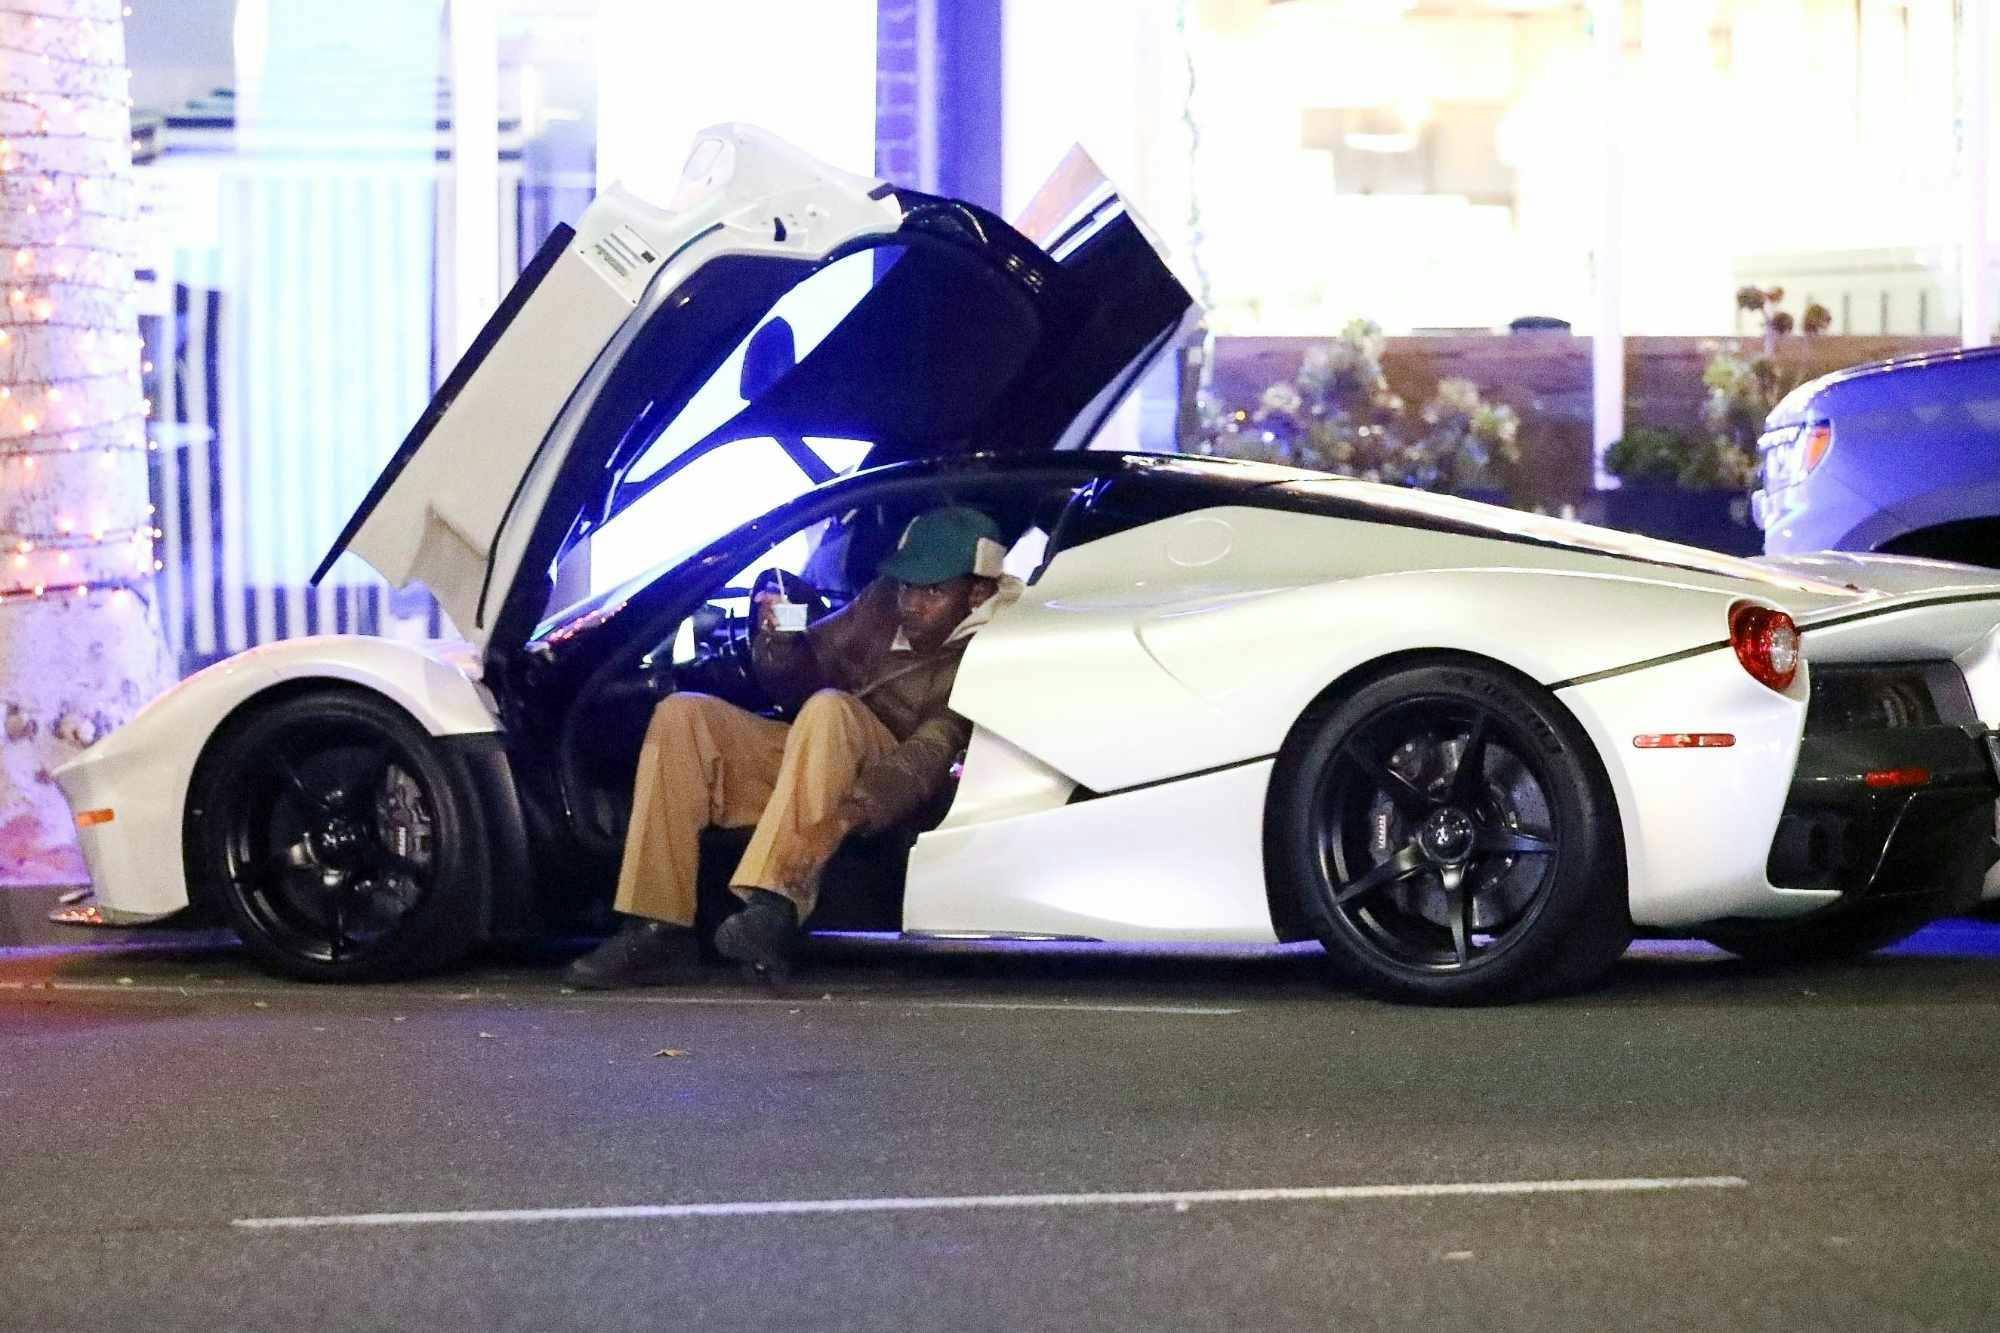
x: 721, y: 490
x: 787, y: 335
x: 691, y: 482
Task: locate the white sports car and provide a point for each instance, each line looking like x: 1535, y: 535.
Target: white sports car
x: 1469, y: 750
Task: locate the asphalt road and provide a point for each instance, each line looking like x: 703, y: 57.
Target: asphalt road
x: 926, y: 1137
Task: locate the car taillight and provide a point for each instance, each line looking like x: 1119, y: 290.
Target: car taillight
x: 1766, y: 643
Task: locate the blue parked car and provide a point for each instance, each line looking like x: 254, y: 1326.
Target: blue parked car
x: 1899, y: 456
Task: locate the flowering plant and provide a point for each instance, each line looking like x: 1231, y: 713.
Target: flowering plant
x: 1742, y: 390
x: 1338, y: 414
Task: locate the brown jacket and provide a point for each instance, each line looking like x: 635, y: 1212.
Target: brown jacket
x: 854, y: 650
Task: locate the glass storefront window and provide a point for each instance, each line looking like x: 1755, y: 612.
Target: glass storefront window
x: 1436, y: 167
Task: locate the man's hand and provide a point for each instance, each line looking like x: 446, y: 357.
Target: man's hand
x: 765, y: 609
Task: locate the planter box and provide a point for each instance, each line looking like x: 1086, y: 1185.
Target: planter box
x: 1714, y: 520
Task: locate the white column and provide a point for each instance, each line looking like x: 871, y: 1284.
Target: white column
x: 1975, y: 46
x: 927, y: 95
x: 475, y: 175
x: 1607, y: 343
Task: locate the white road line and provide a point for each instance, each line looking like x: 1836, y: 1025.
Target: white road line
x: 887, y: 1002
x: 949, y: 1203
x: 405, y: 998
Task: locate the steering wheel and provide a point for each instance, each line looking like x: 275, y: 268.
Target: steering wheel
x: 731, y: 638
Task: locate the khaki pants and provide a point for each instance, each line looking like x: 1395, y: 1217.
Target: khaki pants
x: 706, y: 762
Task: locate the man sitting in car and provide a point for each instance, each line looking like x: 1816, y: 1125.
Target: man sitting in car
x: 873, y: 742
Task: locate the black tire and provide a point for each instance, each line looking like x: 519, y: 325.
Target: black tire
x: 338, y: 839
x: 1823, y: 939
x: 1501, y: 885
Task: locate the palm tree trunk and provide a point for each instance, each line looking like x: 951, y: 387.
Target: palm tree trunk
x: 80, y: 647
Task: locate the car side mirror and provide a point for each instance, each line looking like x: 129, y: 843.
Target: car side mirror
x: 768, y: 358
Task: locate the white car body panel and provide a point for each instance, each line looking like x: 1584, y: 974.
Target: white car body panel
x: 1698, y: 823
x: 1894, y: 575
x: 1179, y: 861
x: 1166, y: 672
x: 142, y: 771
x: 482, y: 476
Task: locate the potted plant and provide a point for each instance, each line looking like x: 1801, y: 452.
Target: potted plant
x: 1693, y: 486
x: 1684, y: 486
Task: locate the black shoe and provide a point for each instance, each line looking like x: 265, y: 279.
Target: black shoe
x: 642, y: 953
x: 763, y: 936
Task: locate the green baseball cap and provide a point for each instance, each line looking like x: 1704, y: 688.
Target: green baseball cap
x: 944, y: 544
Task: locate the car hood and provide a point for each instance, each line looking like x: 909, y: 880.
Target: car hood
x: 976, y: 338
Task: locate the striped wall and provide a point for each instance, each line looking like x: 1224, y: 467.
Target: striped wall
x: 292, y: 330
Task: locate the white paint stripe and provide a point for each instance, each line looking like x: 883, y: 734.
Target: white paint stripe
x: 1035, y: 1006
x: 403, y: 999
x: 965, y: 1202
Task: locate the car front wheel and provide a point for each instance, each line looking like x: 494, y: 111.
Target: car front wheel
x: 338, y: 839
x: 1447, y: 832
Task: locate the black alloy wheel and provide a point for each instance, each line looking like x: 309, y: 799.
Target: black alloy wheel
x: 338, y: 839
x: 1447, y: 832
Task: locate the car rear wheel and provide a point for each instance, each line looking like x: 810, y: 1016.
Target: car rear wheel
x: 338, y: 839
x: 1448, y: 833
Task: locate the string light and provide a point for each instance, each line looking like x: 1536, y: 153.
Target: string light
x: 28, y: 543
x: 92, y: 406
x: 118, y: 590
